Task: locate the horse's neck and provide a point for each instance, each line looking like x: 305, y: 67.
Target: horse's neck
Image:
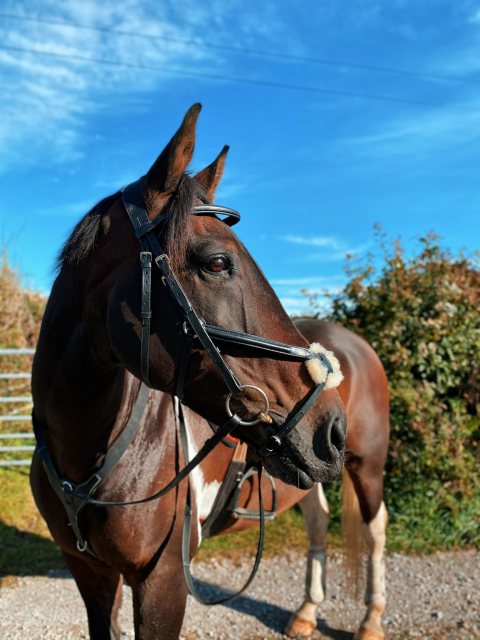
x: 81, y: 400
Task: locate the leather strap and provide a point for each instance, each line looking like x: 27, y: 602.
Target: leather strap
x: 219, y: 514
x: 187, y: 524
x: 274, y: 442
x: 232, y: 216
x: 66, y: 489
x: 196, y: 324
x: 145, y: 314
x: 264, y: 345
x: 226, y: 428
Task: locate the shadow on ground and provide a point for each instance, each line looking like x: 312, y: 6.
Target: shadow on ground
x: 272, y: 616
x: 27, y: 554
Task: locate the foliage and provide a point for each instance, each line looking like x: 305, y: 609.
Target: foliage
x: 421, y: 315
x: 23, y: 534
x: 21, y: 310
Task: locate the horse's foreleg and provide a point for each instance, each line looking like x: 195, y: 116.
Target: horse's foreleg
x: 375, y: 593
x: 316, y: 515
x: 101, y: 590
x: 159, y: 601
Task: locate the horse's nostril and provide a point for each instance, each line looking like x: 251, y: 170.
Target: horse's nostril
x: 337, y: 435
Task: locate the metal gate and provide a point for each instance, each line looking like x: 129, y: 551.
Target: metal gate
x: 16, y: 436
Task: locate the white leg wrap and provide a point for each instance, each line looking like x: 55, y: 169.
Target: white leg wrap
x: 315, y: 583
x: 375, y: 538
x: 375, y: 593
x: 316, y: 515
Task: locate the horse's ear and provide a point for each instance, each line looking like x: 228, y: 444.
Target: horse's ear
x: 209, y: 178
x: 165, y: 173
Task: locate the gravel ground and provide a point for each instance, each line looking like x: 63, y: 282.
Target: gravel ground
x: 433, y: 598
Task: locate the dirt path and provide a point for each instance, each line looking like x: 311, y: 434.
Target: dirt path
x: 433, y: 598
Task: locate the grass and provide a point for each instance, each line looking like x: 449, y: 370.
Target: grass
x: 25, y: 542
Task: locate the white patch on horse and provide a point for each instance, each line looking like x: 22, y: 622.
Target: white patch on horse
x: 204, y: 493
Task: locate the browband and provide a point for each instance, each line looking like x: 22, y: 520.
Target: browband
x: 142, y: 225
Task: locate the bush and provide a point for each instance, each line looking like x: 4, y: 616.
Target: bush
x: 21, y: 310
x: 421, y: 315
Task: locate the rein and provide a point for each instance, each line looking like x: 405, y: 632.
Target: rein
x: 187, y: 528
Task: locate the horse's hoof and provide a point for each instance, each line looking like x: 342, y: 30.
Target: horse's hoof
x: 300, y: 628
x: 366, y: 634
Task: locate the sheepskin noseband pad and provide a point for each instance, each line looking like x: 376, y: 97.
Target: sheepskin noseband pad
x: 319, y: 372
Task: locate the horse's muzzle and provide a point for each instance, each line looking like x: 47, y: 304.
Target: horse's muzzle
x: 311, y: 454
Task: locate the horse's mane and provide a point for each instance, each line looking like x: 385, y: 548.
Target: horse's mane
x: 83, y: 239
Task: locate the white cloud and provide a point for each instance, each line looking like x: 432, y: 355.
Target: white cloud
x: 295, y: 306
x: 295, y: 293
x: 333, y: 249
x: 307, y: 282
x: 313, y: 241
x: 425, y: 132
x: 299, y: 305
x: 51, y: 99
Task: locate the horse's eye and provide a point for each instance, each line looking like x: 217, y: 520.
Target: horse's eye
x: 216, y: 264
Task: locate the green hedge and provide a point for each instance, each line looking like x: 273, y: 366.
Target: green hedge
x: 421, y: 315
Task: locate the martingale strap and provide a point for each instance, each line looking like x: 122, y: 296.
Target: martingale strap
x: 72, y: 494
x: 226, y: 428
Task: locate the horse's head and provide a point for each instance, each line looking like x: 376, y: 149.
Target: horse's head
x: 227, y: 290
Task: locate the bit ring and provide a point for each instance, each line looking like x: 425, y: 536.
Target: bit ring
x: 248, y: 423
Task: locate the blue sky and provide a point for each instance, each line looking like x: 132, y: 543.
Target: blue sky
x: 310, y: 170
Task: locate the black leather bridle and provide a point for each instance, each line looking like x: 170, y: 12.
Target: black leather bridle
x: 75, y: 496
x: 195, y: 328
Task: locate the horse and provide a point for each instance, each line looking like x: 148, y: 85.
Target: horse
x: 364, y: 391
x: 156, y: 296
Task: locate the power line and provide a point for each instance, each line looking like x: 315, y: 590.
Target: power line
x: 225, y: 78
x: 246, y: 50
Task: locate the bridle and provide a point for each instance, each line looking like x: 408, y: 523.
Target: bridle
x: 194, y: 328
x: 75, y: 496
